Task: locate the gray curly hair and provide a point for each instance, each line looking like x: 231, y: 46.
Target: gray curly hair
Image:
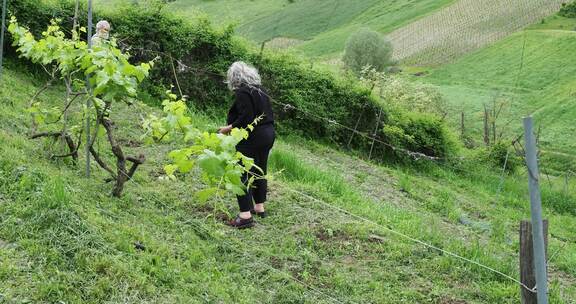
x: 240, y: 74
x: 102, y: 24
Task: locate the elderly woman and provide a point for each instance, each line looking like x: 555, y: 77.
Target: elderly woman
x: 251, y: 102
x: 102, y: 32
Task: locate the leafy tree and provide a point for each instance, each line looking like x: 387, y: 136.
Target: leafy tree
x: 367, y: 48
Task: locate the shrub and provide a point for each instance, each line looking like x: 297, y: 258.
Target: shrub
x: 568, y: 10
x: 420, y: 132
x: 499, y: 154
x: 318, y: 93
x: 367, y: 48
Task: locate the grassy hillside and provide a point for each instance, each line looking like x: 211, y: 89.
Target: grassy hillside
x: 532, y: 71
x: 465, y: 26
x: 63, y: 238
x: 422, y: 32
x: 316, y: 28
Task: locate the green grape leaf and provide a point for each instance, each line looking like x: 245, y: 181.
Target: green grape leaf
x: 170, y: 170
x: 237, y: 190
x: 205, y: 194
x: 211, y: 164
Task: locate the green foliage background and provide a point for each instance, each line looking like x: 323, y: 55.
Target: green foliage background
x: 206, y: 52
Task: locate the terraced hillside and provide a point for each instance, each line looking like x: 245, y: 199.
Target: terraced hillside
x: 465, y: 26
x: 341, y: 228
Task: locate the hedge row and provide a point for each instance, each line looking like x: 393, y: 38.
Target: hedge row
x: 206, y: 52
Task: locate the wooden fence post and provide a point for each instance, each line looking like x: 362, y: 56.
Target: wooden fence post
x: 486, y: 126
x: 527, y: 273
x: 462, y: 130
x: 262, y: 46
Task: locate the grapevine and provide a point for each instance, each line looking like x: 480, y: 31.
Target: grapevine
x: 106, y: 69
x: 215, y: 154
x: 114, y: 79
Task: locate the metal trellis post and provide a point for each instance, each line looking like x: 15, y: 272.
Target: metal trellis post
x: 4, y: 9
x: 88, y: 103
x: 536, y: 213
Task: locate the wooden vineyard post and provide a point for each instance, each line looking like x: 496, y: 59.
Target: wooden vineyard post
x: 538, y: 239
x: 462, y: 125
x: 262, y: 47
x: 567, y: 182
x: 486, y: 127
x: 527, y: 274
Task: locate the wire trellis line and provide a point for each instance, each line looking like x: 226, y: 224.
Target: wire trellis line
x: 405, y: 236
x: 393, y: 231
x: 397, y: 233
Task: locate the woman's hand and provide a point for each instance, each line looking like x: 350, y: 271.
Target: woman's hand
x: 225, y: 130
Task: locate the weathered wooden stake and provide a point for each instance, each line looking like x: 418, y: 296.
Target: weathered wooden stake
x: 262, y: 46
x: 527, y: 274
x: 486, y: 127
x: 462, y: 125
x: 355, y: 128
x: 494, y: 117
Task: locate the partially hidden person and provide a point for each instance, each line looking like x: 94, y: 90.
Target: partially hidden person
x: 102, y: 32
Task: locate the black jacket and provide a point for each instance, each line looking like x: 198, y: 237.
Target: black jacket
x: 249, y: 104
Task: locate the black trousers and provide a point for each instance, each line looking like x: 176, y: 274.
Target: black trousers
x: 257, y: 147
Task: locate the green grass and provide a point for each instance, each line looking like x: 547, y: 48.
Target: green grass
x: 556, y: 22
x: 63, y: 238
x: 540, y: 83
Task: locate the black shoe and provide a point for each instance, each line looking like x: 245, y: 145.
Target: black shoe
x: 241, y: 223
x: 262, y: 214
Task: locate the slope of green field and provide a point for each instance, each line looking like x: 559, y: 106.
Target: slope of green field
x: 321, y: 27
x: 64, y: 239
x: 464, y: 27
x: 533, y: 71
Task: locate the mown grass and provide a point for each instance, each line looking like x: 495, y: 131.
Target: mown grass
x: 63, y: 238
x: 446, y: 203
